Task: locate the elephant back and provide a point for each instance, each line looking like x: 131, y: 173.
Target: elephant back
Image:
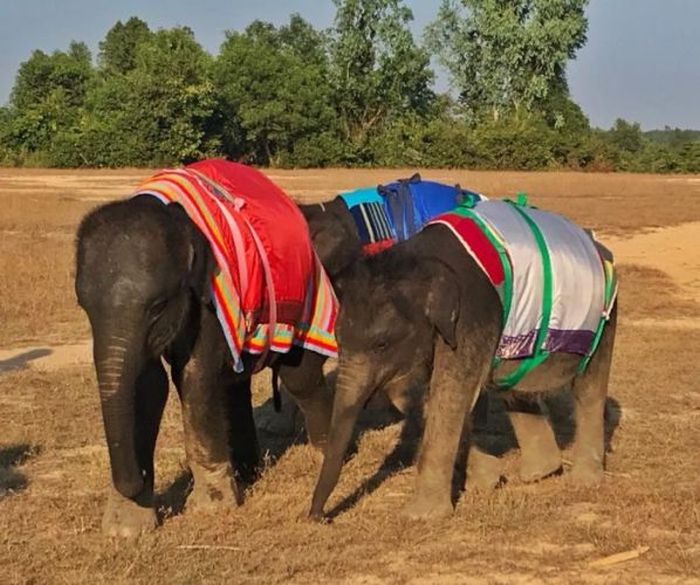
x: 394, y: 212
x: 556, y: 287
x: 269, y: 289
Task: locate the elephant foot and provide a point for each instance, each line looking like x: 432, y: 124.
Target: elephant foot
x: 128, y: 518
x: 587, y: 475
x: 318, y: 442
x: 532, y: 471
x: 214, y: 489
x: 539, y: 452
x: 425, y: 508
x: 315, y: 517
x: 484, y: 472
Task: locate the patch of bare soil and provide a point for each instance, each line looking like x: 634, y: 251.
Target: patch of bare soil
x: 674, y: 250
x: 46, y: 357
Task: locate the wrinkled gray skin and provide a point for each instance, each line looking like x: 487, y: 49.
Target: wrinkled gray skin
x: 338, y: 245
x: 142, y: 274
x: 423, y: 311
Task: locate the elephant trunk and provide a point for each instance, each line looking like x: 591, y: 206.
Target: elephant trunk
x: 118, y: 363
x: 350, y: 395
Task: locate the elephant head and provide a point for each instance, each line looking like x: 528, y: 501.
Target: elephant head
x: 142, y: 267
x: 392, y: 306
x: 333, y: 234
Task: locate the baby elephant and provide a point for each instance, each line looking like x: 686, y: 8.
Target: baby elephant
x: 498, y: 294
x: 210, y: 268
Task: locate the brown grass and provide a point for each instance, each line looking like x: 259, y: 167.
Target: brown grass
x: 649, y: 292
x: 41, y: 210
x: 54, y: 470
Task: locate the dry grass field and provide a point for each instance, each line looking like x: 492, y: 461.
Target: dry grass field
x: 54, y: 469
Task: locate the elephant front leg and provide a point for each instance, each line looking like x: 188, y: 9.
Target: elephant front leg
x: 454, y: 386
x: 129, y: 517
x: 206, y: 428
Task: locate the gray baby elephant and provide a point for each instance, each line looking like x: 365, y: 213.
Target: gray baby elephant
x: 425, y: 311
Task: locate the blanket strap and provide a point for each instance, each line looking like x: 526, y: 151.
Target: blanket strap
x: 609, y: 300
x: 272, y: 304
x: 400, y: 204
x: 270, y: 293
x: 465, y: 211
x: 539, y: 354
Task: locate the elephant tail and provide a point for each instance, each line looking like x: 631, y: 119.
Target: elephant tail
x: 276, y: 396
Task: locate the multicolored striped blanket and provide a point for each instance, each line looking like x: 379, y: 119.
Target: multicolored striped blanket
x: 556, y: 288
x: 396, y: 211
x: 269, y: 289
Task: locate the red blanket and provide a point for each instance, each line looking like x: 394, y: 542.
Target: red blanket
x: 268, y: 274
x: 283, y: 232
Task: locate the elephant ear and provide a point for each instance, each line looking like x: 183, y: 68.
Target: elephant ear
x: 200, y: 258
x: 201, y: 267
x: 442, y: 307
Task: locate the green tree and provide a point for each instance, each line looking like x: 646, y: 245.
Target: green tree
x: 377, y: 70
x: 48, y: 97
x: 626, y: 136
x: 5, y: 146
x: 572, y: 145
x: 304, y: 40
x: 689, y: 155
x: 273, y: 90
x: 162, y: 111
x: 507, y: 54
x: 119, y: 47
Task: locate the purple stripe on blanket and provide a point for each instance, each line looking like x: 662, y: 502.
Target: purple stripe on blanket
x: 576, y: 341
x: 516, y: 346
x: 520, y: 346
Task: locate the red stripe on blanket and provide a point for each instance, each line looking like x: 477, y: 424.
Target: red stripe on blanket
x: 376, y: 247
x: 477, y: 242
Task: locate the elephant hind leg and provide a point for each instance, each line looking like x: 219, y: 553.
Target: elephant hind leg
x: 540, y: 455
x: 243, y: 440
x: 301, y: 372
x: 130, y: 517
x: 590, y: 392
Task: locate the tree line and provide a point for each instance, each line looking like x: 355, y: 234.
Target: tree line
x: 358, y: 94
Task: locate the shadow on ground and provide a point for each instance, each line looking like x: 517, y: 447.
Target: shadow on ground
x: 171, y: 501
x: 493, y: 434
x: 21, y: 360
x: 11, y: 480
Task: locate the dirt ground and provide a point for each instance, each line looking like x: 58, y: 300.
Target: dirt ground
x: 54, y: 468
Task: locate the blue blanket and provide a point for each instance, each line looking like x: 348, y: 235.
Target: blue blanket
x: 396, y: 211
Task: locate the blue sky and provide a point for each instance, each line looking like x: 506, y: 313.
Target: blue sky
x: 641, y: 62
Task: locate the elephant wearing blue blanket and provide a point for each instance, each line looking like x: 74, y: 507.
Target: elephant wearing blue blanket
x: 425, y: 312
x: 338, y: 242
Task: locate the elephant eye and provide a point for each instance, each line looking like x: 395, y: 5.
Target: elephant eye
x: 157, y: 309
